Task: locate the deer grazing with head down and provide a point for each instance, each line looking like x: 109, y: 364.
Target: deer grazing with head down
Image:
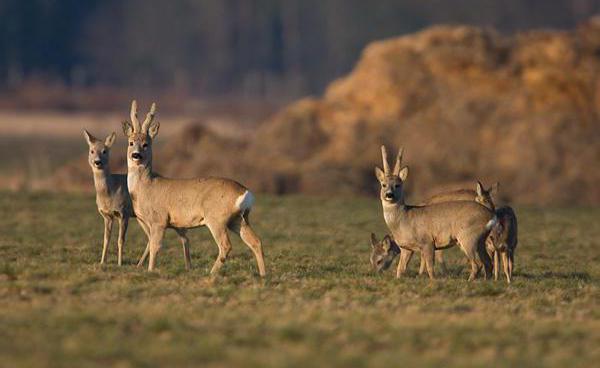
x: 383, y: 252
x: 112, y: 196
x: 479, y: 194
x: 437, y: 226
x: 161, y: 203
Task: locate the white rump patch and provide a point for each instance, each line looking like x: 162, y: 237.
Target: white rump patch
x: 245, y: 201
x: 491, y: 223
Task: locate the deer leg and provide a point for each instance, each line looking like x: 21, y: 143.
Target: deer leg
x: 123, y: 223
x: 242, y: 227
x: 428, y: 252
x: 474, y: 270
x: 156, y: 236
x: 439, y: 259
x: 422, y: 266
x: 495, y: 265
x: 469, y: 247
x: 144, y: 255
x: 405, y: 256
x: 505, y: 266
x: 484, y: 258
x: 147, y: 250
x: 185, y: 243
x: 511, y: 258
x: 108, y: 222
x: 219, y: 233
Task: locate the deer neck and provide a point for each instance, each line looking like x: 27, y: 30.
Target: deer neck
x: 138, y: 175
x: 393, y: 213
x: 102, y: 181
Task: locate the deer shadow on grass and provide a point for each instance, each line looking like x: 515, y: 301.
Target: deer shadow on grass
x: 582, y: 276
x: 459, y: 271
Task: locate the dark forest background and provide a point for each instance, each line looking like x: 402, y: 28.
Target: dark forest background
x: 257, y: 48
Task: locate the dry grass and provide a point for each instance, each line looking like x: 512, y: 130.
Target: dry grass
x: 34, y: 145
x: 319, y: 306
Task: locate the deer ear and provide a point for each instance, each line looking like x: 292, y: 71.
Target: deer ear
x: 90, y: 139
x: 153, y: 129
x: 479, y: 189
x: 108, y: 142
x: 127, y: 128
x: 494, y: 188
x: 373, y: 240
x: 403, y: 174
x: 379, y: 174
x: 387, y: 243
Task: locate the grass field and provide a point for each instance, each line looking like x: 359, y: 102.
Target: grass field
x: 319, y: 306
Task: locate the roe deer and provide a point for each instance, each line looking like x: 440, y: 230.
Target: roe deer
x: 437, y: 226
x: 112, y: 197
x: 503, y: 240
x: 479, y: 195
x: 181, y: 204
x: 383, y: 252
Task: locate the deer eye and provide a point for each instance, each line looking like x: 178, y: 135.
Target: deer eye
x: 131, y: 143
x: 92, y: 152
x: 145, y: 145
x: 384, y: 185
x: 103, y: 151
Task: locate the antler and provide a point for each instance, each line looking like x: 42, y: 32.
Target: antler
x: 386, y: 165
x: 149, y: 118
x: 398, y: 164
x: 134, y: 119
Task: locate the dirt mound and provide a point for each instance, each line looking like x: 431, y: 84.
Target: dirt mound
x: 466, y: 103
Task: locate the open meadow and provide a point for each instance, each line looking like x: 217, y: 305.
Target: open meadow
x: 320, y: 304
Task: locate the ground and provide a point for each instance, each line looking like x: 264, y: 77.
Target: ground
x: 320, y: 304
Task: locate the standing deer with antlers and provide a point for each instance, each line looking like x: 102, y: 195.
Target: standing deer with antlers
x: 438, y: 226
x: 161, y: 203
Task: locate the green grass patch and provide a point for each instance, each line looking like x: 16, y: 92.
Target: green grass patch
x: 320, y: 304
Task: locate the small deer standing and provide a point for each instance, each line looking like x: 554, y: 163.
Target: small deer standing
x: 503, y: 240
x: 161, y: 203
x: 112, y: 196
x: 479, y: 194
x: 437, y: 226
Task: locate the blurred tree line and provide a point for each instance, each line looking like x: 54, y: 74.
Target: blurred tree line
x: 259, y: 48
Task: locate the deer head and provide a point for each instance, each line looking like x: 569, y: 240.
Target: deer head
x: 391, y: 181
x: 140, y: 136
x: 98, y: 155
x: 484, y: 196
x: 383, y: 252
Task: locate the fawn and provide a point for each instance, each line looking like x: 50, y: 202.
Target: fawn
x: 161, y: 203
x: 112, y: 196
x: 431, y: 227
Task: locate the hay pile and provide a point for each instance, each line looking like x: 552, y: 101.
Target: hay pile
x: 466, y: 103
